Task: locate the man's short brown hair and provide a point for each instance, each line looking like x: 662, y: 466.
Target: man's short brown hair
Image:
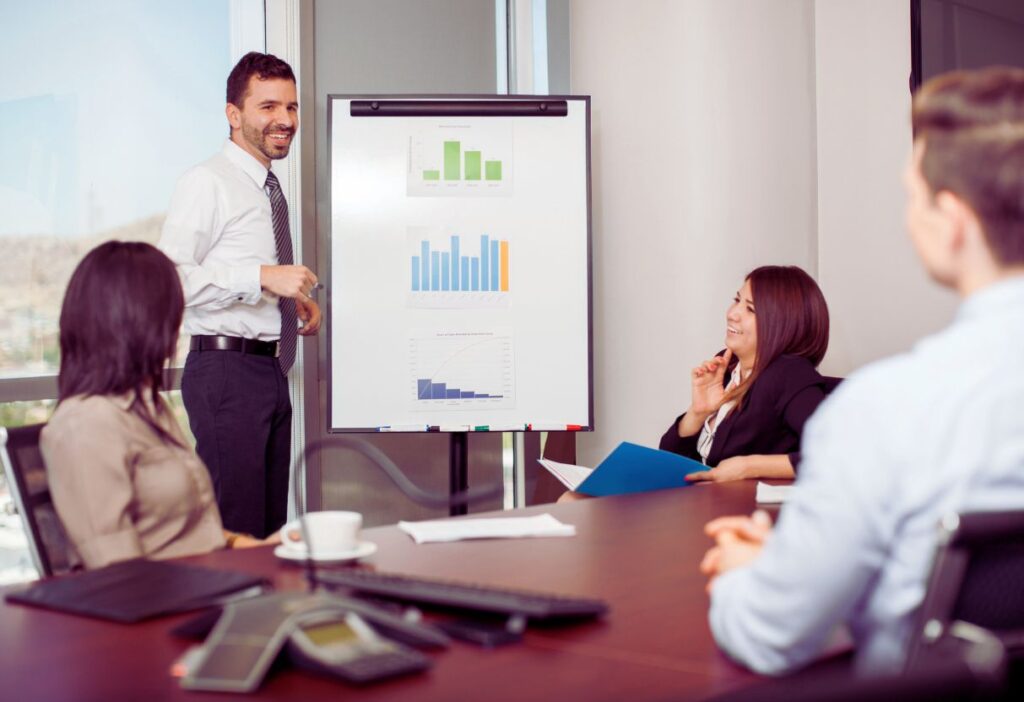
x: 972, y: 127
x: 263, y: 66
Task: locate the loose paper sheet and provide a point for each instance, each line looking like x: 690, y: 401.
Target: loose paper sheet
x: 499, y: 528
x: 568, y: 474
x: 772, y: 494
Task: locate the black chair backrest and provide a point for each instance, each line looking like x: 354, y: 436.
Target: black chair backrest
x: 977, y: 577
x: 49, y: 546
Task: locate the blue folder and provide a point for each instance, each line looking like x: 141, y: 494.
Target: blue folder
x: 634, y: 468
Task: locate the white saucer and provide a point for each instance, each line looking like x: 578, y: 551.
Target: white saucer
x: 361, y: 550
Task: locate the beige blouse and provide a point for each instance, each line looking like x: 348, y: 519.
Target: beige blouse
x: 122, y: 492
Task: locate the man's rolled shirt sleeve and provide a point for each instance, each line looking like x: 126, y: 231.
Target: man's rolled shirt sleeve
x: 190, y: 231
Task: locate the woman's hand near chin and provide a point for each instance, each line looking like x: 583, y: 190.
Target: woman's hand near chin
x: 707, y: 383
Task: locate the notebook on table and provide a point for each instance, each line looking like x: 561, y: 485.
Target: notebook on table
x: 132, y: 591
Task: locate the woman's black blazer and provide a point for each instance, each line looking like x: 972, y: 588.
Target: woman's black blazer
x: 770, y: 418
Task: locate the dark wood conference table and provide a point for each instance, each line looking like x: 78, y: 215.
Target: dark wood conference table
x: 638, y: 552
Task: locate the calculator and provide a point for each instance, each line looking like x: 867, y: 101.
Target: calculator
x: 345, y: 646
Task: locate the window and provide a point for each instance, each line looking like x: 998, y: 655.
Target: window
x: 103, y: 107
x: 109, y: 105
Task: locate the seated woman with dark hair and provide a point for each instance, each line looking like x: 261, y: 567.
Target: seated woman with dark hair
x: 124, y: 480
x: 749, y: 404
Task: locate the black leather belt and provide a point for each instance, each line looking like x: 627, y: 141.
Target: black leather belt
x: 234, y: 343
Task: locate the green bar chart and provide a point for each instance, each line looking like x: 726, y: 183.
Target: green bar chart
x: 453, y: 154
x: 460, y: 160
x: 451, y: 160
x: 472, y: 165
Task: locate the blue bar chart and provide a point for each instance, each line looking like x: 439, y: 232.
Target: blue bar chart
x: 458, y: 270
x: 426, y: 389
x: 461, y: 369
x: 443, y: 274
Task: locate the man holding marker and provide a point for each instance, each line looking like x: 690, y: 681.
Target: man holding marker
x: 227, y: 230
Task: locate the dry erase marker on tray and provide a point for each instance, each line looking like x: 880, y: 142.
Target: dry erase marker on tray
x: 554, y: 427
x: 403, y: 427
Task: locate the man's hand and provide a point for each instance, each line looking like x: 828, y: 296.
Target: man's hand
x: 309, y: 312
x: 734, y: 468
x: 738, y: 541
x: 288, y: 281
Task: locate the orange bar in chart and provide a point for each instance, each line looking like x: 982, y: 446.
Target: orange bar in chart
x: 504, y: 266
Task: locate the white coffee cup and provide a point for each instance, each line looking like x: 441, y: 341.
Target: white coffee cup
x: 329, y: 532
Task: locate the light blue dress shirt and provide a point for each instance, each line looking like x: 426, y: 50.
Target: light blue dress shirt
x: 899, y: 444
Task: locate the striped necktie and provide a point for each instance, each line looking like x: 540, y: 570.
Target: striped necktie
x: 283, y: 242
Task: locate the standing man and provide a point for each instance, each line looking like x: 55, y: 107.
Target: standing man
x: 227, y: 231
x: 909, y: 439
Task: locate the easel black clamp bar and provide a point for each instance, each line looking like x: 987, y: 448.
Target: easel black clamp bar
x: 459, y: 108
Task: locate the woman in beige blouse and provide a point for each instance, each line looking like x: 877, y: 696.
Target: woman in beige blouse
x: 124, y: 480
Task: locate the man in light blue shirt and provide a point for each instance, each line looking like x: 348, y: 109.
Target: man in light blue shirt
x: 908, y: 439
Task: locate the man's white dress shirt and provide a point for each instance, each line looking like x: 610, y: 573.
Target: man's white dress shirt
x: 219, y: 232
x: 898, y: 445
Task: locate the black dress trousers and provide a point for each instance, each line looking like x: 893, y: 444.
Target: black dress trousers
x: 240, y: 413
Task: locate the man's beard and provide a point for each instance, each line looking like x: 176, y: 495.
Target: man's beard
x: 261, y: 141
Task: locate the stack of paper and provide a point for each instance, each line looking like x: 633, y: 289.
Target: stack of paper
x: 569, y: 475
x: 772, y: 494
x: 500, y: 528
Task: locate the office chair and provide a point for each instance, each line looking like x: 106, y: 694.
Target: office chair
x: 51, y: 550
x: 977, y: 577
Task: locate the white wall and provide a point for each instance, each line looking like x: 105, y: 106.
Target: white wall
x: 879, y: 296
x: 703, y: 168
x: 729, y: 134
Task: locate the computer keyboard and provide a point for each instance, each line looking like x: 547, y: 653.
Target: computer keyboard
x: 460, y: 595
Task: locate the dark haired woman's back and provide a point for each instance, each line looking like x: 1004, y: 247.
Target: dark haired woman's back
x: 121, y: 490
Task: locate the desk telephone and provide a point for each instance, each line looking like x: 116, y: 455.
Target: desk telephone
x: 323, y: 633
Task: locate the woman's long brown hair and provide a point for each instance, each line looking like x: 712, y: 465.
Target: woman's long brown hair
x: 119, y: 325
x: 791, y: 317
